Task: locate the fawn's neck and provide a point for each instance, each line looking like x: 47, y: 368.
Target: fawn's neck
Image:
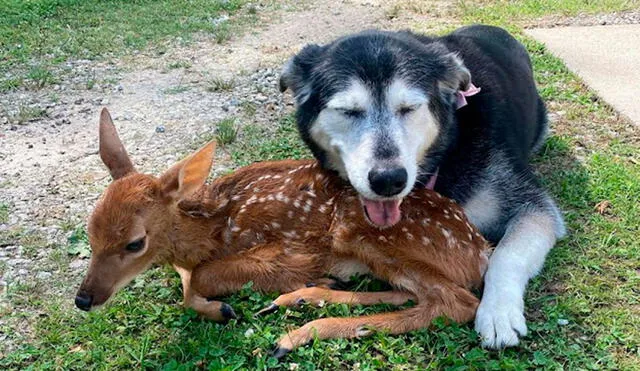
x: 195, y: 239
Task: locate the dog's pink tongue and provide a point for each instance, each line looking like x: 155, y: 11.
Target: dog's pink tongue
x: 383, y: 213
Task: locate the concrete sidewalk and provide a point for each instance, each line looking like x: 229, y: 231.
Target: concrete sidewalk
x: 607, y: 58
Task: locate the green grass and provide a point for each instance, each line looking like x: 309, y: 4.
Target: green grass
x: 591, y: 278
x: 219, y: 85
x: 4, y: 213
x: 37, y: 35
x: 226, y: 131
x: 28, y: 113
x: 259, y: 143
x: 176, y: 89
x: 506, y: 12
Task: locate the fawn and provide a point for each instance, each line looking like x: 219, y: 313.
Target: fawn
x: 282, y: 225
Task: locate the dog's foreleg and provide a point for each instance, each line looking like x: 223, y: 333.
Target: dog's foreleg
x: 518, y: 257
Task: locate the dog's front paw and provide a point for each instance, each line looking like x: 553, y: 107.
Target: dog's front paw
x: 500, y: 321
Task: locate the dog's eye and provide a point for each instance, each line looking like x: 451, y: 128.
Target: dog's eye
x: 135, y: 246
x: 353, y: 113
x: 405, y: 110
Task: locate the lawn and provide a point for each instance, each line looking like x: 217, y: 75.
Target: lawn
x: 583, y: 311
x: 37, y: 37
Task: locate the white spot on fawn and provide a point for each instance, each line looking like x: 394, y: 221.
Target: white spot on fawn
x: 290, y: 234
x: 446, y: 232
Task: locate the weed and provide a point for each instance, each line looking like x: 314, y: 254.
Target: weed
x: 222, y: 33
x: 179, y: 64
x: 249, y: 108
x: 78, y: 243
x: 4, y: 213
x: 226, y: 131
x: 176, y: 89
x: 29, y: 113
x: 40, y: 77
x: 219, y: 84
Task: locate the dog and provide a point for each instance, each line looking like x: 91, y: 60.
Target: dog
x: 392, y: 111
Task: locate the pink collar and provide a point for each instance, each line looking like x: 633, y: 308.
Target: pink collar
x: 432, y: 181
x: 461, y: 102
x: 463, y: 94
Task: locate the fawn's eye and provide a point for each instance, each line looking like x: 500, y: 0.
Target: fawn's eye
x: 135, y: 246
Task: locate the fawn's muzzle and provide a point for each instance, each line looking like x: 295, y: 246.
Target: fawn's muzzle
x: 84, y: 301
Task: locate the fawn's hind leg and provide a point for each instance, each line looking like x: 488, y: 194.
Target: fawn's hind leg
x: 318, y: 296
x: 211, y: 309
x: 453, y: 302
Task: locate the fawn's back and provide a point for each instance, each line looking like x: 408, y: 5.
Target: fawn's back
x: 312, y: 211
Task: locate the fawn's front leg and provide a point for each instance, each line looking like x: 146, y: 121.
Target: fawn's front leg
x: 271, y: 267
x: 211, y: 309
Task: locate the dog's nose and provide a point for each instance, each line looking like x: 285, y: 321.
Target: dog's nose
x: 84, y: 301
x: 388, y: 182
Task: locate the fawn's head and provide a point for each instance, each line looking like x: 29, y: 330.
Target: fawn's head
x: 128, y: 228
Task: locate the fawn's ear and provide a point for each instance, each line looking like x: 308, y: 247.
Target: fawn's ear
x: 112, y: 152
x: 185, y: 177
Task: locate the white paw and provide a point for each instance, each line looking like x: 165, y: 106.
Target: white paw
x: 500, y: 322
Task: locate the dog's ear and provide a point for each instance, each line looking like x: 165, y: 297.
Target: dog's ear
x: 457, y: 77
x: 296, y: 73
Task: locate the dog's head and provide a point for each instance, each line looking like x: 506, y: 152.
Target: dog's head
x: 378, y: 108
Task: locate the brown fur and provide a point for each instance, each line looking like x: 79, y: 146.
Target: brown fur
x: 282, y: 225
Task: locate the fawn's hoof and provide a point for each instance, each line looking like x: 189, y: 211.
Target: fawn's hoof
x: 273, y: 307
x: 280, y: 352
x: 227, y: 312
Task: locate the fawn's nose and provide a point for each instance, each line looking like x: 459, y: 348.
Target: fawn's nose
x: 388, y: 182
x: 84, y: 301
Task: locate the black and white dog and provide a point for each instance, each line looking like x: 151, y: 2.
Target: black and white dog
x: 389, y: 112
